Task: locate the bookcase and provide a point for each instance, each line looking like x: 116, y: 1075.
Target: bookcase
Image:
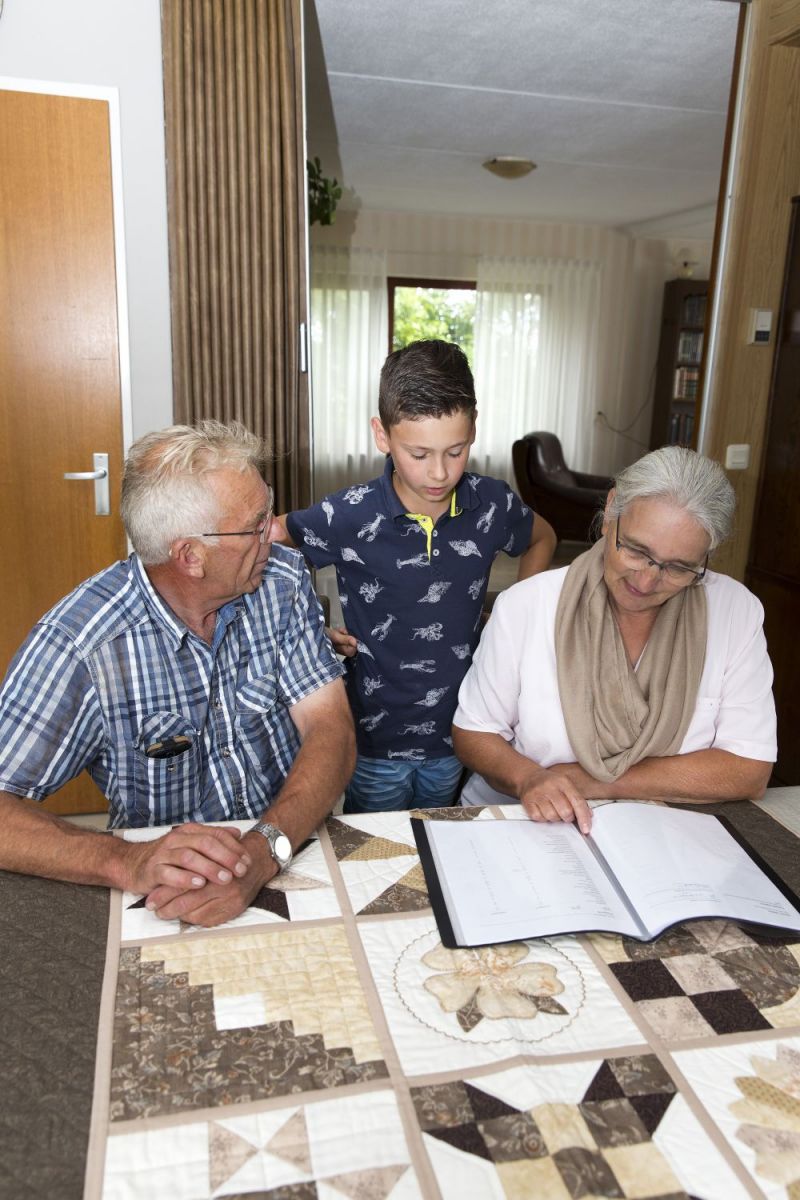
x: 679, y: 363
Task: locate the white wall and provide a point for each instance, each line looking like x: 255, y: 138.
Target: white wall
x: 633, y: 271
x: 116, y: 44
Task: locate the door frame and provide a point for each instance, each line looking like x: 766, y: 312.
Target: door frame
x: 111, y: 97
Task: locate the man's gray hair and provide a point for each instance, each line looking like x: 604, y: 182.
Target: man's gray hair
x: 165, y: 489
x: 686, y: 479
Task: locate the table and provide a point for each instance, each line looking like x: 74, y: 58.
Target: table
x: 325, y: 1045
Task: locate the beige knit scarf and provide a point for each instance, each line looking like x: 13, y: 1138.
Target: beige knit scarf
x: 616, y: 716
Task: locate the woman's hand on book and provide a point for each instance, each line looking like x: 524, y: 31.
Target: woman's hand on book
x: 555, y: 794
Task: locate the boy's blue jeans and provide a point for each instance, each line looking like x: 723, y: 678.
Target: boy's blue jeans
x: 386, y: 785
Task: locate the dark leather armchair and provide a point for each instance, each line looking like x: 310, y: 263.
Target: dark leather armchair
x: 567, y: 499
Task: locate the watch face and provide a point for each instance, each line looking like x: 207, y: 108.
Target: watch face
x: 283, y: 848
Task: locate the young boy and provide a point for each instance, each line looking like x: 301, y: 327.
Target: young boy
x: 412, y: 551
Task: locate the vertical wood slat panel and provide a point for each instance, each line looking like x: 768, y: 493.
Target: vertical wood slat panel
x: 236, y: 222
x: 768, y: 177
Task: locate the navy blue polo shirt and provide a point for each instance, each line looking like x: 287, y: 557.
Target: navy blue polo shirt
x: 412, y: 597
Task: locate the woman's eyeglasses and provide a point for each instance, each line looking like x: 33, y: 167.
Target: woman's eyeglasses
x: 639, y: 560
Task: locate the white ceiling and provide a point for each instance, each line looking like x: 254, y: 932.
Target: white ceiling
x: 621, y: 103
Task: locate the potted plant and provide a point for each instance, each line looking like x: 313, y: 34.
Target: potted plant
x: 323, y: 195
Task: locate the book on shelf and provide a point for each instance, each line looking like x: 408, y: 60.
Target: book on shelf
x: 690, y: 347
x: 694, y: 309
x: 642, y: 868
x: 686, y: 381
x: 687, y: 429
x: 681, y: 428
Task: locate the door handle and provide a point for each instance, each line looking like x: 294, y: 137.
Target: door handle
x: 102, y: 505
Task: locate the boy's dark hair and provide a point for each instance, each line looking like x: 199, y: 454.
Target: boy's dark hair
x: 425, y: 379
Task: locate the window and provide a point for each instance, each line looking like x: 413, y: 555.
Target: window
x: 432, y: 308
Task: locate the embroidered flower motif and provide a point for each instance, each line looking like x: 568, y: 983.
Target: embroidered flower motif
x: 771, y: 1108
x: 492, y: 982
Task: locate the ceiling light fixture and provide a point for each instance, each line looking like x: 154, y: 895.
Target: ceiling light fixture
x: 508, y: 166
x: 685, y: 264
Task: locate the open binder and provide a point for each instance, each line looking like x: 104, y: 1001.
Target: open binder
x: 642, y: 868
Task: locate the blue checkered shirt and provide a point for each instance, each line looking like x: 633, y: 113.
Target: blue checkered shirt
x: 110, y: 671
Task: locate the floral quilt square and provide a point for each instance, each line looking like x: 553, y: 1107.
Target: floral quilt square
x: 614, y: 1127
x: 456, y: 1008
x: 752, y: 1092
x: 304, y: 892
x: 347, y: 1147
x: 709, y: 977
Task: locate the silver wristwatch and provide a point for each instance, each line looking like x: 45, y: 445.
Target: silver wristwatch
x: 279, y: 844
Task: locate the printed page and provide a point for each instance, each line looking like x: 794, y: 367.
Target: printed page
x: 504, y: 880
x: 675, y: 865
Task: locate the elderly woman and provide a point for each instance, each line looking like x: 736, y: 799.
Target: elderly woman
x: 634, y: 672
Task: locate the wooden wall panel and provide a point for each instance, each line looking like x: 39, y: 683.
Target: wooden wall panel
x: 784, y: 22
x: 768, y: 176
x: 781, y: 600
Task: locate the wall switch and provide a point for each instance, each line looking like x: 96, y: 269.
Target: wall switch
x: 760, y: 327
x: 737, y: 458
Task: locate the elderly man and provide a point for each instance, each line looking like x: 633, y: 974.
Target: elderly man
x: 194, y: 683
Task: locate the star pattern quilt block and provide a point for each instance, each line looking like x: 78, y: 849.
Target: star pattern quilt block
x: 614, y: 1127
x: 377, y: 857
x: 349, y: 1147
x: 303, y: 892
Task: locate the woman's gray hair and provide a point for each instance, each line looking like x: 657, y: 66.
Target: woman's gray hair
x: 165, y: 489
x: 686, y: 479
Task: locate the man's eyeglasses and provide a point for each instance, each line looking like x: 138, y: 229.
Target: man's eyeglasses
x: 675, y: 572
x: 260, y: 530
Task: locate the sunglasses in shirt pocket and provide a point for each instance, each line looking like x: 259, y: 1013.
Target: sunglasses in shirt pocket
x: 167, y: 769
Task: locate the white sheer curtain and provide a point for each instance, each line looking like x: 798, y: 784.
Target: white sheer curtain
x: 536, y: 338
x: 348, y: 346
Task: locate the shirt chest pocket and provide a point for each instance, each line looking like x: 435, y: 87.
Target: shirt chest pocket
x: 702, y: 729
x: 256, y: 698
x: 167, y: 789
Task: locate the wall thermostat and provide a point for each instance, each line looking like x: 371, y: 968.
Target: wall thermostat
x: 760, y: 327
x: 737, y: 457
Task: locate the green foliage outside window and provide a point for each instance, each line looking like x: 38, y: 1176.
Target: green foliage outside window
x: 446, y: 313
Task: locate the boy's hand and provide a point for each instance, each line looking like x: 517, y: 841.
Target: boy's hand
x: 278, y: 532
x: 342, y: 642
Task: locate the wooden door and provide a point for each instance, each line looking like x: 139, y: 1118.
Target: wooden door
x: 59, y: 363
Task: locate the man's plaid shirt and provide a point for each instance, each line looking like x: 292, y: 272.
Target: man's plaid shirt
x: 110, y: 670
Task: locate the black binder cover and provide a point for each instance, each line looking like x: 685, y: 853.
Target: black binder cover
x: 440, y: 912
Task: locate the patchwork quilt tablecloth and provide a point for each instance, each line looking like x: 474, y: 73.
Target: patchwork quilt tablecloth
x: 326, y: 1045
